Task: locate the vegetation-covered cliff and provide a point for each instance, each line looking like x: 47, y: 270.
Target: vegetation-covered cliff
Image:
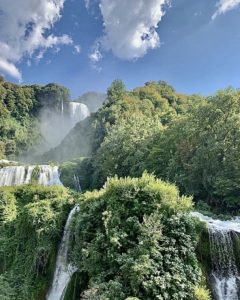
x: 31, y: 223
x: 20, y: 108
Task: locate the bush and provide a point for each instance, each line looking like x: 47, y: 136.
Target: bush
x: 134, y: 239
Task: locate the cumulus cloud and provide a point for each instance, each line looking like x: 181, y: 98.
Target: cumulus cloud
x: 131, y: 26
x: 224, y: 6
x: 25, y: 30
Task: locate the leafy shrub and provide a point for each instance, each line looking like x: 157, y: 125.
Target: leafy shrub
x: 134, y: 239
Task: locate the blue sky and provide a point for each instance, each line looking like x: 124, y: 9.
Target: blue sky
x: 187, y: 48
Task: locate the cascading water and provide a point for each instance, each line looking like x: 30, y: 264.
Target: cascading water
x: 77, y: 183
x: 225, y: 276
x: 78, y: 112
x: 47, y: 175
x: 64, y: 270
x: 18, y: 175
x: 56, y: 124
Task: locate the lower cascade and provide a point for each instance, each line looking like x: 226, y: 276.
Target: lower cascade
x: 225, y: 276
x: 64, y: 270
x: 18, y: 175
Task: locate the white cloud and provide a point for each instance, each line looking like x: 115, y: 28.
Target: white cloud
x: 77, y: 49
x: 95, y: 56
x: 24, y: 29
x: 10, y: 69
x: 131, y: 26
x: 224, y: 6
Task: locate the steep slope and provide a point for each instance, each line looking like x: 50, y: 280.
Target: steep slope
x: 20, y: 108
x: 154, y: 100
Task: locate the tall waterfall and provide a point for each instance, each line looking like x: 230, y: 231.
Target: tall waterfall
x: 55, y: 125
x: 225, y: 275
x: 64, y: 270
x: 78, y: 112
x: 17, y: 175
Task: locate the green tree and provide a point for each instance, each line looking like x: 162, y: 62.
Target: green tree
x: 123, y: 150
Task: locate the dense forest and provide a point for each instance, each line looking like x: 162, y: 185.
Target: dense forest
x: 192, y: 141
x: 145, y: 159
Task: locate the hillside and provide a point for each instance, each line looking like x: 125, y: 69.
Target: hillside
x: 20, y: 108
x: 144, y: 161
x: 155, y: 100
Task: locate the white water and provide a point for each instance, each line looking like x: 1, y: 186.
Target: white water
x: 225, y: 276
x: 18, y: 175
x: 49, y: 175
x: 77, y: 183
x: 78, y: 112
x: 55, y: 125
x: 64, y: 270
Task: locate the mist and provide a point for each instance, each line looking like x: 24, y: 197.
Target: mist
x: 55, y: 125
x: 93, y: 100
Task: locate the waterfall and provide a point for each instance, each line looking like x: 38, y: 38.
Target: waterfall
x: 18, y: 175
x: 62, y: 108
x: 225, y: 275
x: 49, y: 175
x: 78, y: 112
x: 64, y: 270
x: 77, y: 183
x: 56, y: 124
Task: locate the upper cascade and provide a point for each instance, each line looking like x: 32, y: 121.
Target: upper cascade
x: 225, y: 275
x: 78, y: 112
x: 17, y: 175
x: 56, y: 124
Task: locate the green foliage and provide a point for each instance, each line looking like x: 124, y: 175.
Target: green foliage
x: 79, y: 169
x: 32, y: 219
x: 202, y: 294
x: 134, y: 239
x: 6, y: 292
x: 19, y: 111
x: 199, y: 151
x: 156, y: 100
x: 124, y: 148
